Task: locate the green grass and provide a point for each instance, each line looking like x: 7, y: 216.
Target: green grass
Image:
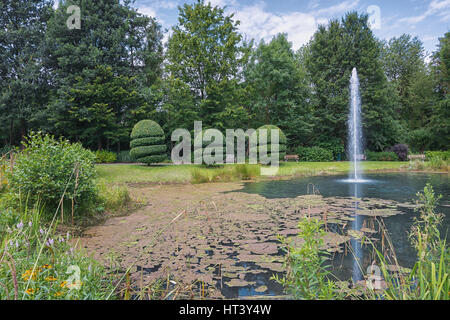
x: 135, y: 173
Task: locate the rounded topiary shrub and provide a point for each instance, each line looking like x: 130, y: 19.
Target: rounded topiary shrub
x: 148, y: 142
x: 281, y: 143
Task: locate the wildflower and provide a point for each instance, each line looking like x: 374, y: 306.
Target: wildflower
x: 49, y: 242
x: 17, y: 244
x: 19, y: 225
x: 46, y: 266
x: 67, y: 236
x: 61, y: 239
x: 31, y: 291
x: 51, y: 278
x: 63, y: 284
x: 30, y: 224
x: 59, y: 293
x: 41, y: 231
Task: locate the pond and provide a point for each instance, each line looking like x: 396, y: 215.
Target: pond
x: 398, y: 187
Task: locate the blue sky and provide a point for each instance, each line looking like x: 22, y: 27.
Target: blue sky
x: 262, y: 19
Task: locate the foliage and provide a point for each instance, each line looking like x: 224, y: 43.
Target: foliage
x: 401, y: 150
x: 444, y: 155
x: 279, y: 91
x: 147, y: 144
x: 332, y: 54
x: 105, y: 156
x: 205, y: 55
x: 306, y: 273
x: 50, y: 169
x: 335, y: 146
x: 36, y: 264
x: 381, y: 156
x: 429, y: 278
x: 267, y: 129
x: 314, y: 154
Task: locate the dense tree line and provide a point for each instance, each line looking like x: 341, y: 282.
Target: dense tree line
x: 95, y: 83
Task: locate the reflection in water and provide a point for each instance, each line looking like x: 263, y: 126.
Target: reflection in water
x: 400, y: 187
x: 355, y: 242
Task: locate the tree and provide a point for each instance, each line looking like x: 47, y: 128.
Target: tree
x: 279, y: 90
x: 117, y: 51
x: 440, y: 117
x: 334, y: 51
x: 204, y: 53
x: 147, y: 142
x: 23, y: 77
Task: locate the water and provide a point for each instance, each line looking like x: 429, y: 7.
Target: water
x: 400, y: 187
x: 355, y: 149
x: 355, y: 152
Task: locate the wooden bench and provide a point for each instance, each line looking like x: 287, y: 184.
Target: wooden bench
x: 291, y: 157
x: 416, y: 157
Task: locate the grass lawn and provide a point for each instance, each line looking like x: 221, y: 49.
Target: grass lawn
x: 117, y: 173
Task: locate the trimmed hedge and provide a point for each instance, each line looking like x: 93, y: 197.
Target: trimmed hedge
x: 314, y: 154
x: 281, y: 145
x: 381, y: 156
x: 147, y: 142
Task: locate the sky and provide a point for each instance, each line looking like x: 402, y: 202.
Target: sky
x: 262, y: 19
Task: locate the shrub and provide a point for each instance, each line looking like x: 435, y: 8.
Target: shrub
x: 381, y: 156
x: 147, y: 142
x: 48, y: 169
x: 104, y: 156
x: 314, y: 154
x: 443, y: 155
x: 401, y: 150
x: 335, y: 146
x: 281, y: 145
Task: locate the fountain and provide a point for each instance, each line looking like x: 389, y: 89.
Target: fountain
x: 355, y: 129
x: 355, y: 153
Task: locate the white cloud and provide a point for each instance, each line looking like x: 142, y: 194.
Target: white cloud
x: 148, y: 11
x: 337, y: 9
x: 436, y: 7
x: 258, y: 23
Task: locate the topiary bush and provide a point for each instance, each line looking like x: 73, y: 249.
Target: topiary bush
x: 48, y: 170
x: 282, y: 141
x: 148, y: 142
x: 104, y: 156
x: 381, y: 156
x: 314, y: 154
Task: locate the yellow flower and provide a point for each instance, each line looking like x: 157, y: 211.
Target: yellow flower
x: 31, y: 291
x: 51, y: 278
x: 59, y: 293
x: 47, y: 266
x: 63, y: 284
